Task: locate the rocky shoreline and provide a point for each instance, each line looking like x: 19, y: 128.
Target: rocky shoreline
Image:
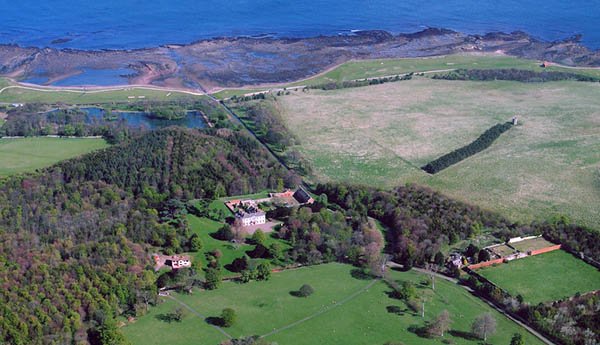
x: 244, y: 61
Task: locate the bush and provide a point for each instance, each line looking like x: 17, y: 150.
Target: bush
x: 263, y: 271
x: 216, y: 253
x: 213, y: 278
x: 228, y: 317
x: 259, y: 237
x: 306, y: 290
x: 195, y: 243
x: 224, y: 233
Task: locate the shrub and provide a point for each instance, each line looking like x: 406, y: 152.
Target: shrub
x: 259, y: 237
x: 213, y: 278
x: 306, y: 290
x: 224, y: 233
x: 263, y: 271
x: 228, y: 317
x: 195, y: 243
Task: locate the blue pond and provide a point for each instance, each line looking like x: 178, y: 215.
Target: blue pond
x: 102, y: 77
x: 89, y: 76
x: 193, y: 119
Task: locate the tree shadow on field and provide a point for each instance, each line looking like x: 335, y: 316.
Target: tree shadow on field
x: 168, y: 317
x: 296, y: 293
x: 464, y: 335
x: 215, y: 321
x: 421, y: 331
x: 359, y: 274
x: 394, y: 309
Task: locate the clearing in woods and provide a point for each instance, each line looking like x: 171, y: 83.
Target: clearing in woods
x: 370, y: 317
x: 381, y: 135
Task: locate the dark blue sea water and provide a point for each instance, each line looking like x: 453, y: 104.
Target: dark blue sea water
x: 115, y: 24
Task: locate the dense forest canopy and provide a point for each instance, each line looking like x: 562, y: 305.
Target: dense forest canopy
x: 75, y: 237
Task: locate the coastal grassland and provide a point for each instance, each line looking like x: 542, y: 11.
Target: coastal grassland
x: 92, y: 96
x: 204, y: 227
x: 385, y: 67
x: 268, y: 305
x: 28, y: 154
x: 381, y: 135
x: 562, y: 275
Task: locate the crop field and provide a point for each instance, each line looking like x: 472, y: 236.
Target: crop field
x: 370, y: 317
x: 562, y: 275
x: 28, y: 154
x: 533, y: 244
x: 92, y: 96
x: 381, y: 135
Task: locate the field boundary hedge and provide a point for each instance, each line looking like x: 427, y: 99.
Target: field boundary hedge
x: 483, y: 142
x: 513, y: 74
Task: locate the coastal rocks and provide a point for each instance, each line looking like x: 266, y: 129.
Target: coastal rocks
x: 234, y: 62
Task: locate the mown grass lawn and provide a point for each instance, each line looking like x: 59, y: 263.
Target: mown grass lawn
x: 268, y: 305
x: 28, y: 154
x: 544, y: 277
x: 204, y: 227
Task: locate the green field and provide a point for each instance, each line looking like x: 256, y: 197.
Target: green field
x: 28, y: 154
x: 265, y: 306
x: 43, y: 95
x: 544, y: 277
x: 204, y: 227
x: 381, y: 135
x: 385, y: 67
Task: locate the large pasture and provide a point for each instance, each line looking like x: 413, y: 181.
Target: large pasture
x: 263, y: 307
x: 545, y: 277
x: 373, y: 68
x: 28, y: 154
x: 380, y: 135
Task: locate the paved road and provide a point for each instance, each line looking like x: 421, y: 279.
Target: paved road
x: 201, y: 316
x: 500, y: 310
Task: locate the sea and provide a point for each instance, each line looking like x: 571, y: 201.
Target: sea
x: 128, y: 24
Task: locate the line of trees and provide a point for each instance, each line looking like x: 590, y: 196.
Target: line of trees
x: 267, y: 123
x: 359, y: 83
x: 526, y: 76
x: 481, y: 143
